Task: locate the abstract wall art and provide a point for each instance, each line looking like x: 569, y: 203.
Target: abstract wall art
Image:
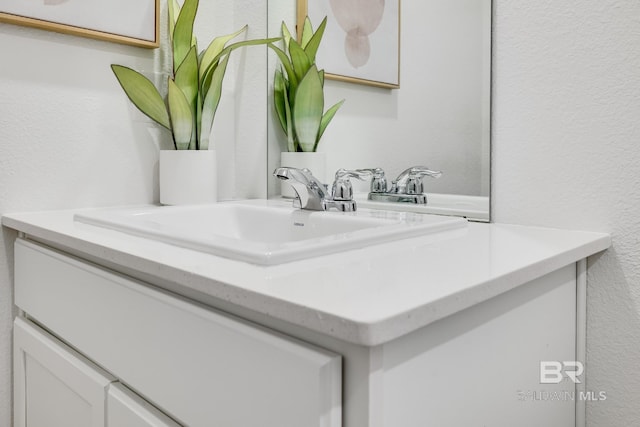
x: 361, y: 43
x: 121, y: 21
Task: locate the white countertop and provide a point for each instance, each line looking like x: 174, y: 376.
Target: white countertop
x: 364, y: 296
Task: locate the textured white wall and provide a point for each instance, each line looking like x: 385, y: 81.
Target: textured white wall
x: 566, y: 153
x: 68, y: 137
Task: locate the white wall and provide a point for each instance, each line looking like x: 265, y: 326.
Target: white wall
x: 438, y: 117
x: 566, y: 153
x: 69, y: 138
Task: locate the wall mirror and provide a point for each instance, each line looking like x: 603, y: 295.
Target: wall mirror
x: 438, y: 117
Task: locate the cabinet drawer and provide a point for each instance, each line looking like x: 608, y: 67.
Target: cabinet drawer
x: 201, y: 366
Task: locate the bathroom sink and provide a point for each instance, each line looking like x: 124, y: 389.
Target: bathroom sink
x: 266, y: 232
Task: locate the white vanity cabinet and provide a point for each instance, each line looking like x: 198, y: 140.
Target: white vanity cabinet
x: 200, y: 366
x: 174, y: 336
x: 55, y: 386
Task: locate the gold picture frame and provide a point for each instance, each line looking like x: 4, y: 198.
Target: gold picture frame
x: 96, y: 19
x: 381, y: 68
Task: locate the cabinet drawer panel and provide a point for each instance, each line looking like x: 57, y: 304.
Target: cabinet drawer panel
x: 201, y: 366
x: 125, y: 409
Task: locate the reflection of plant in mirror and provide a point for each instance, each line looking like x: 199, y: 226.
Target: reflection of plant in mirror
x: 195, y: 86
x: 298, y: 89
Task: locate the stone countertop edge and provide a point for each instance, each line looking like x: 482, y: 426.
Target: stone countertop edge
x: 114, y: 249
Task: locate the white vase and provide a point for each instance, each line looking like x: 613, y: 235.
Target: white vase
x: 188, y: 177
x: 314, y: 161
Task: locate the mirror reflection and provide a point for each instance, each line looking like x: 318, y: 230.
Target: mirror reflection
x: 438, y: 117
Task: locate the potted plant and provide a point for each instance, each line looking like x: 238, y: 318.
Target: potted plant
x: 298, y: 93
x: 194, y: 88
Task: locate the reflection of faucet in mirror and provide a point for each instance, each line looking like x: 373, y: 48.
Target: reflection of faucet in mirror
x: 313, y: 195
x: 442, y: 121
x: 406, y: 188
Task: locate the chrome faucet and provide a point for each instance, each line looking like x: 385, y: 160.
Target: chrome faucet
x: 406, y: 188
x: 314, y: 195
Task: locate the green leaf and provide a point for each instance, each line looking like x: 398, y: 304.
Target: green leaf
x: 307, y: 32
x: 299, y: 60
x: 183, y: 32
x: 292, y: 145
x: 186, y: 79
x: 215, y: 47
x: 174, y: 10
x: 307, y: 111
x: 143, y: 94
x: 227, y: 50
x: 286, y: 64
x: 181, y: 116
x: 187, y: 76
x: 198, y: 118
x: 211, y: 102
x: 279, y: 91
x: 311, y: 48
x: 206, y: 81
x: 326, y: 119
x: 286, y: 36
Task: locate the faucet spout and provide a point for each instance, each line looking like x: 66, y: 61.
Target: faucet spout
x: 310, y: 191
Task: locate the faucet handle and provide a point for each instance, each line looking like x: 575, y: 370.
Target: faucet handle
x: 414, y: 178
x: 379, y: 180
x: 342, y: 189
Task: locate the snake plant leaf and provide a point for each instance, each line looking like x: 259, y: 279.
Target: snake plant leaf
x: 183, y: 32
x: 143, y: 94
x: 186, y: 79
x: 199, y: 100
x: 215, y: 47
x: 181, y: 116
x: 307, y: 32
x: 286, y: 36
x: 234, y: 46
x: 321, y: 74
x: 174, y: 10
x: 292, y: 145
x: 227, y: 50
x: 326, y: 119
x: 299, y: 59
x: 206, y: 81
x: 187, y: 76
x: 286, y: 64
x: 279, y: 90
x: 308, y: 107
x: 211, y: 102
x: 311, y: 48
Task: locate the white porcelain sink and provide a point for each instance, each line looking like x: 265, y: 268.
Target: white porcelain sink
x: 266, y: 232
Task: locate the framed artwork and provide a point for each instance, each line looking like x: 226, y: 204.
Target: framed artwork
x: 361, y: 43
x: 121, y: 21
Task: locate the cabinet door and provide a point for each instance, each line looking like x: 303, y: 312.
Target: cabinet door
x: 54, y: 386
x: 125, y: 408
